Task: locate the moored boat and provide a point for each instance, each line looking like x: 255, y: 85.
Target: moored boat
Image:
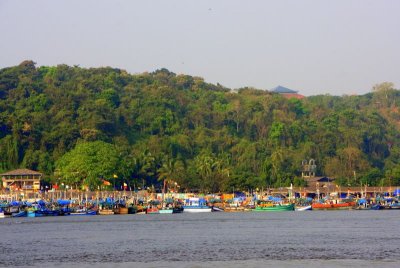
x: 121, y: 210
x: 334, y: 205
x: 264, y: 207
x: 166, y: 210
x: 195, y: 204
x: 106, y: 212
x: 152, y: 210
x: 83, y: 212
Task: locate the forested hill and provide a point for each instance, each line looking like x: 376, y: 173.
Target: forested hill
x: 64, y: 121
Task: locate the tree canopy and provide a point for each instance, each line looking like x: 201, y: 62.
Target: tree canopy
x: 87, y: 124
x: 87, y: 164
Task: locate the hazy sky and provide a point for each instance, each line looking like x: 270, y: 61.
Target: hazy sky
x: 317, y: 47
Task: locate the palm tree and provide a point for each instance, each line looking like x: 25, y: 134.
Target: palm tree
x: 169, y: 171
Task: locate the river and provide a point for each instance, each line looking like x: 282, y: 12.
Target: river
x: 280, y: 239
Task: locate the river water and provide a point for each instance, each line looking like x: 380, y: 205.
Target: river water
x: 280, y: 239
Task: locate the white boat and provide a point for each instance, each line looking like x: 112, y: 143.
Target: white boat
x: 2, y: 214
x: 303, y: 208
x: 195, y: 204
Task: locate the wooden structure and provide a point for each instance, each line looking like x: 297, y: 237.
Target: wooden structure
x: 22, y: 180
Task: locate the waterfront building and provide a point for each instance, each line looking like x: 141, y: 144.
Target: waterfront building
x: 25, y: 180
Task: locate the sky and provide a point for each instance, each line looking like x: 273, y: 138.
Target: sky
x: 340, y: 47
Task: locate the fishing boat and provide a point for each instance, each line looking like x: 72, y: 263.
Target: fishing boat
x: 170, y: 205
x: 234, y: 205
x: 333, y: 205
x: 106, y: 206
x: 11, y: 209
x: 394, y: 205
x: 153, y: 207
x: 264, y: 206
x: 195, y: 204
x: 303, y: 204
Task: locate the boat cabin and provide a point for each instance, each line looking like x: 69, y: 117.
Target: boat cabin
x: 195, y: 201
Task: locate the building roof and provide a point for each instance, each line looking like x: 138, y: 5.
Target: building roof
x: 319, y: 179
x: 21, y: 172
x: 293, y: 95
x: 281, y: 89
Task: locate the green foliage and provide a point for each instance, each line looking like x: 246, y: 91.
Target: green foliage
x: 88, y: 163
x: 81, y: 125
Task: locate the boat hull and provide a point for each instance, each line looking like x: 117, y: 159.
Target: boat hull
x: 166, y: 211
x: 303, y: 208
x: 20, y: 214
x: 31, y: 214
x: 195, y: 209
x: 152, y: 211
x: 106, y: 212
x: 121, y: 210
x: 84, y: 213
x: 289, y: 207
x: 347, y: 205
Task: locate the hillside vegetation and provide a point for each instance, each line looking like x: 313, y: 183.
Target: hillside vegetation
x: 82, y: 126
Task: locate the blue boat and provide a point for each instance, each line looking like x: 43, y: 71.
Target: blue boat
x: 83, y: 212
x: 20, y: 214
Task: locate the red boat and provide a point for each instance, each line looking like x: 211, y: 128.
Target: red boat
x: 333, y: 205
x: 152, y: 210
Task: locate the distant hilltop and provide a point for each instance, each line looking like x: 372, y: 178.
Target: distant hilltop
x: 287, y: 92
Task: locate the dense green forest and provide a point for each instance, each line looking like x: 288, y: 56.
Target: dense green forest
x: 82, y: 126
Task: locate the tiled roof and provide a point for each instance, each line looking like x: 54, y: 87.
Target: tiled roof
x: 21, y: 172
x: 292, y: 95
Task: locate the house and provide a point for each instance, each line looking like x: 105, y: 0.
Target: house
x: 287, y: 93
x: 22, y: 180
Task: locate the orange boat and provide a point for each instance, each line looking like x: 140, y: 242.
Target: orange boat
x: 332, y: 205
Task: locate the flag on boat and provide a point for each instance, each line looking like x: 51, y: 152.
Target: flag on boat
x: 125, y: 184
x: 106, y: 182
x: 115, y: 176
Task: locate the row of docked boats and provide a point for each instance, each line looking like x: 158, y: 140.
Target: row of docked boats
x: 190, y: 205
